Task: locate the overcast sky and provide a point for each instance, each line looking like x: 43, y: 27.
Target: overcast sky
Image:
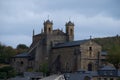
x: 99, y: 18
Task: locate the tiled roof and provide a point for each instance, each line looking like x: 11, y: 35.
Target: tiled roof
x: 69, y: 44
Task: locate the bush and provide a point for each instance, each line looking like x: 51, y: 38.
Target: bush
x: 7, y: 72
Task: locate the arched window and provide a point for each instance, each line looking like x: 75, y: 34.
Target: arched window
x: 21, y: 63
x: 90, y: 67
x: 71, y: 31
x: 90, y: 51
x: 49, y: 30
x: 90, y: 48
x: 58, y: 63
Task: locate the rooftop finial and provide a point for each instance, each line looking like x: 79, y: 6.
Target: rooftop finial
x: 42, y: 30
x: 48, y: 17
x: 33, y: 32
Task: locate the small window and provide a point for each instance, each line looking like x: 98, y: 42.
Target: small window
x: 21, y: 63
x: 90, y: 48
x: 49, y: 30
x: 71, y: 32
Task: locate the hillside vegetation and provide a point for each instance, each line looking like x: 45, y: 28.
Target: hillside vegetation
x: 108, y: 43
x: 6, y: 52
x: 112, y: 46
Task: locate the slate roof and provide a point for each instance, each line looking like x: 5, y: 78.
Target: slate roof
x: 103, y: 53
x: 77, y: 76
x: 22, y: 55
x: 81, y: 76
x: 108, y: 68
x: 70, y: 44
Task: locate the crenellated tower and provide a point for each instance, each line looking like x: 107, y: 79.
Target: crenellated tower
x: 70, y: 31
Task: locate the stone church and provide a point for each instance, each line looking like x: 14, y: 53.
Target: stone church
x: 59, y: 50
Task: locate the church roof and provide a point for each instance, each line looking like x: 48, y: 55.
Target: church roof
x: 70, y: 44
x: 22, y: 55
x: 58, y: 31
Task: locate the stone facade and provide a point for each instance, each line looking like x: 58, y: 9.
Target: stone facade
x: 84, y: 55
x: 20, y: 64
x: 59, y: 50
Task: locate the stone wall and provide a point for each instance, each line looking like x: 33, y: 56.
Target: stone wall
x: 76, y: 57
x: 66, y: 58
x: 90, y: 56
x: 20, y: 64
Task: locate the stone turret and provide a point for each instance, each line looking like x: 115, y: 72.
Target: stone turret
x: 70, y: 31
x: 48, y: 27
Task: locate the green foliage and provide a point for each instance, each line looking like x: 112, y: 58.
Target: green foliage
x: 6, y: 52
x: 114, y: 55
x: 44, y: 68
x: 112, y: 46
x: 21, y: 48
x: 108, y: 42
x: 7, y: 72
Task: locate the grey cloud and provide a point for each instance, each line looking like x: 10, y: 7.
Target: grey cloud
x: 19, y: 17
x: 88, y: 7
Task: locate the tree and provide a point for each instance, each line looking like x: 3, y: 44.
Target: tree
x: 6, y: 52
x: 44, y: 69
x: 21, y: 48
x: 7, y: 72
x: 114, y: 56
x: 112, y: 46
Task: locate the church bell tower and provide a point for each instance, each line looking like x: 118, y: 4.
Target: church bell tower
x: 48, y: 27
x: 70, y: 31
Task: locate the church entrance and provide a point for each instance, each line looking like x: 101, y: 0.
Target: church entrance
x: 58, y: 63
x: 90, y: 67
